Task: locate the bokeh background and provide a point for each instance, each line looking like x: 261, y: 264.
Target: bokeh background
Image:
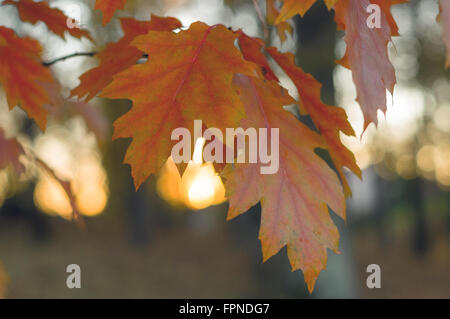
x: 170, y: 238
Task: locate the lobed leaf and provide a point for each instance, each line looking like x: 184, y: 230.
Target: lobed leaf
x: 292, y: 7
x: 109, y: 7
x: 188, y: 76
x: 119, y: 56
x: 329, y: 120
x: 23, y: 76
x: 55, y: 19
x: 294, y: 200
x: 272, y: 14
x: 367, y: 57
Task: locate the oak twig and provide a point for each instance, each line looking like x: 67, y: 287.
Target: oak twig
x: 49, y: 63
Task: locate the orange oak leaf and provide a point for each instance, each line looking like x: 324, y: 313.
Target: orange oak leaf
x: 272, y: 14
x: 119, y: 56
x: 293, y: 200
x: 188, y: 76
x: 367, y: 57
x: 329, y: 120
x: 444, y: 18
x: 10, y: 151
x: 22, y: 75
x: 109, y: 7
x: 251, y: 49
x: 55, y: 19
x: 292, y: 7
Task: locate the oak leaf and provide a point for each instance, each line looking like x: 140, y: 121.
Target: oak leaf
x: 188, y: 76
x: 251, y: 49
x: 385, y: 6
x: 367, y: 57
x: 22, y: 75
x: 292, y: 7
x: 272, y: 13
x: 329, y: 120
x: 294, y: 200
x: 55, y: 19
x: 119, y: 56
x: 109, y: 7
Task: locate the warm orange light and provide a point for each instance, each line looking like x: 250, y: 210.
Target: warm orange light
x: 201, y: 192
x: 425, y: 158
x: 199, y: 187
x: 168, y: 185
x: 91, y: 200
x: 50, y: 197
x: 82, y: 168
x: 442, y: 164
x: 90, y: 190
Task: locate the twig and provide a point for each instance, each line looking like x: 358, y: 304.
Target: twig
x: 76, y: 215
x: 261, y: 18
x: 49, y: 63
x: 73, y: 55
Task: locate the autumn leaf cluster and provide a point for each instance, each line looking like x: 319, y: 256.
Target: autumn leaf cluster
x: 227, y: 79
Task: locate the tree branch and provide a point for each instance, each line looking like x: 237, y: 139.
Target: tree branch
x: 49, y: 63
x: 66, y: 186
x: 73, y: 55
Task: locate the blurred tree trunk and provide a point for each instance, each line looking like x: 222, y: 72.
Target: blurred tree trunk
x: 316, y: 42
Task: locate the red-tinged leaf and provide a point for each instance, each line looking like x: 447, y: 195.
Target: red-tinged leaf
x: 292, y: 7
x: 55, y: 19
x: 385, y: 6
x: 22, y: 75
x: 10, y: 152
x: 251, y: 50
x: 444, y: 18
x: 367, y: 57
x: 119, y: 56
x: 188, y: 76
x: 109, y: 7
x: 329, y: 120
x: 272, y: 14
x: 294, y: 200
